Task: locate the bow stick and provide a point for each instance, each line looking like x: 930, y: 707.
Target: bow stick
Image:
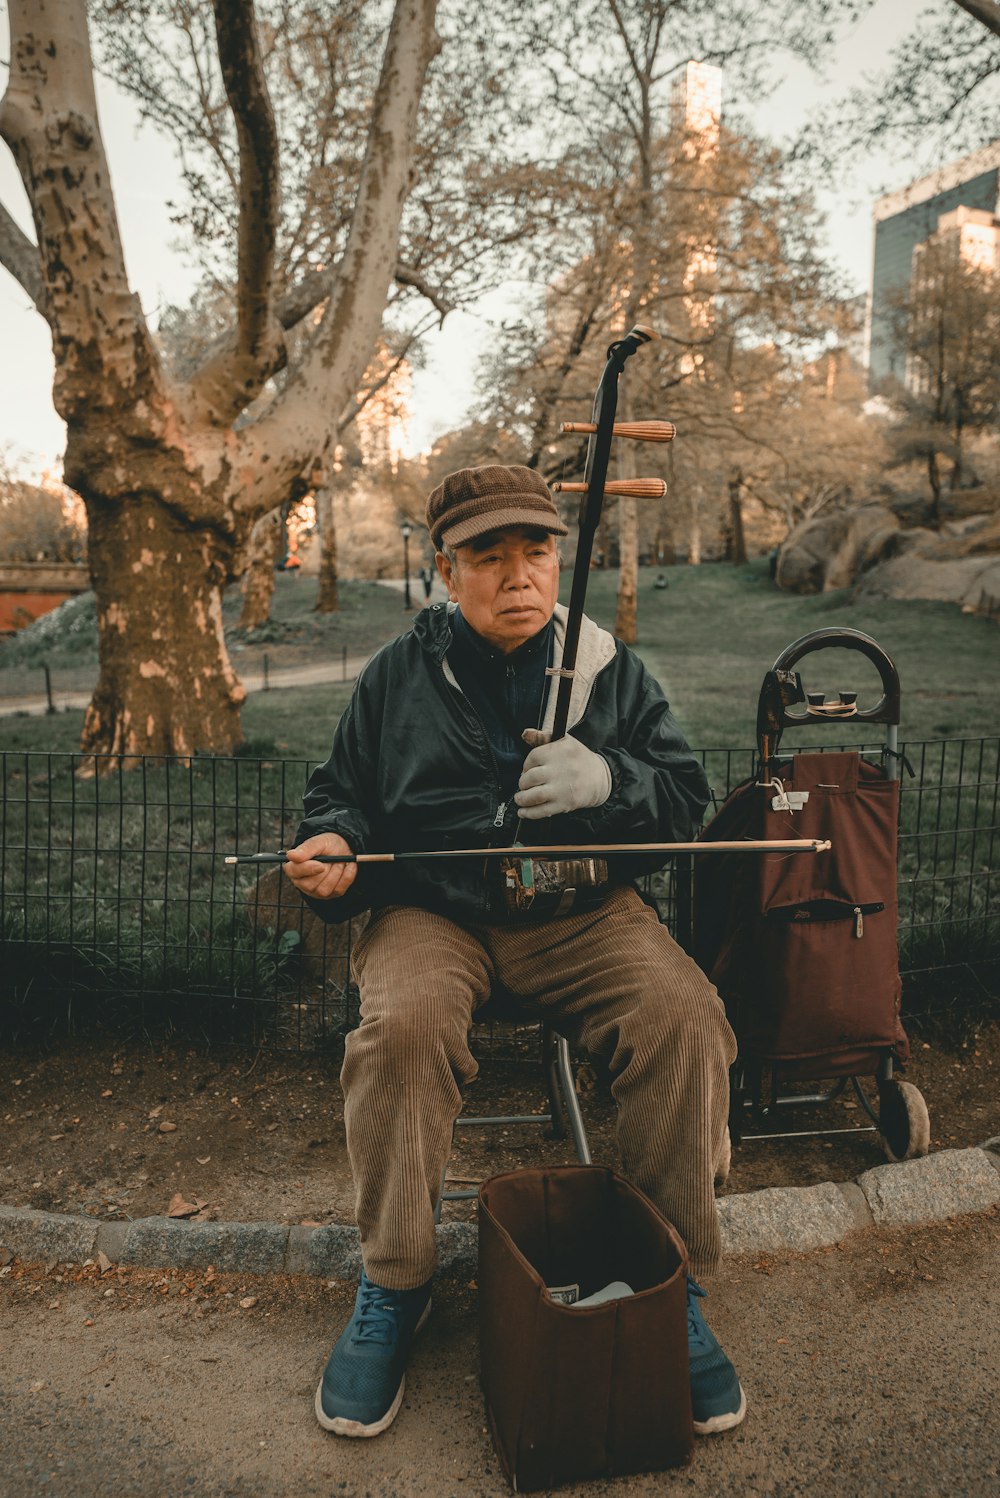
x: 554, y: 850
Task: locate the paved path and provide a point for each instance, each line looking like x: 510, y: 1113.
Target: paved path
x: 317, y: 674
x: 252, y: 679
x: 870, y: 1371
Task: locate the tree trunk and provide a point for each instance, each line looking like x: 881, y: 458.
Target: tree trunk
x: 263, y: 554
x: 328, y: 598
x: 166, y: 684
x: 737, y: 536
x: 604, y: 541
x: 934, y: 475
x: 626, y: 615
x: 958, y: 464
x: 694, y: 531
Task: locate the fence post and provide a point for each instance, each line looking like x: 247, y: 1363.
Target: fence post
x: 343, y: 663
x: 267, y: 684
x: 48, y: 688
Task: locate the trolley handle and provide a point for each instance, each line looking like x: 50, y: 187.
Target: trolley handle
x: 782, y: 686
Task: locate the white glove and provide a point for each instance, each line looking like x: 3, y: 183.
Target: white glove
x: 560, y: 777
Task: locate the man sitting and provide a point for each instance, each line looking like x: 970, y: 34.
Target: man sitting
x: 430, y: 754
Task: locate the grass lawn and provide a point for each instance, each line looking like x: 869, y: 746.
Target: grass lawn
x: 708, y: 638
x: 124, y: 876
x: 712, y: 634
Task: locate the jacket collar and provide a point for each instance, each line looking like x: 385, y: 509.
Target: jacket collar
x: 596, y: 649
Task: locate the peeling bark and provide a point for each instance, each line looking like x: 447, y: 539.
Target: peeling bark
x: 263, y: 555
x: 166, y: 685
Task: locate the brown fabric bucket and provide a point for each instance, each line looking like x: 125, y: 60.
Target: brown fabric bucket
x: 574, y: 1394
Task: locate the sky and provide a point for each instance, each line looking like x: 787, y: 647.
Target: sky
x: 144, y: 171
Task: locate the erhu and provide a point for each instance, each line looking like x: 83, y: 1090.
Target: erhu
x: 528, y: 870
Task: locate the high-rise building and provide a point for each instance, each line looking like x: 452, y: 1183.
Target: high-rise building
x: 906, y: 219
x: 696, y: 111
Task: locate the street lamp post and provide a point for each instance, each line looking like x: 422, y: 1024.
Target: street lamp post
x: 406, y: 531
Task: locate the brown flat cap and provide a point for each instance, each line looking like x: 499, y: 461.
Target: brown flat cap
x: 472, y: 501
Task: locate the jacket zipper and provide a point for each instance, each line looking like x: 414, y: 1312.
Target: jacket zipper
x: 501, y: 810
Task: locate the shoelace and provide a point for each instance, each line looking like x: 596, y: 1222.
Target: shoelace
x: 377, y: 1315
x: 698, y: 1333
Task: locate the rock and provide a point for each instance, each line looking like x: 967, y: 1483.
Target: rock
x: 871, y: 534
x: 803, y: 558
x: 43, y: 1236
x: 971, y: 582
x: 945, y: 1184
x: 334, y: 1253
x: 828, y: 551
x: 783, y: 1217
x: 250, y: 1247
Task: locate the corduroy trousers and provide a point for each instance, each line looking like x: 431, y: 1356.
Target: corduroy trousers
x: 612, y: 980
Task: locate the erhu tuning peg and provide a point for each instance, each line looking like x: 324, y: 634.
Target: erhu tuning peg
x: 639, y: 431
x: 620, y: 488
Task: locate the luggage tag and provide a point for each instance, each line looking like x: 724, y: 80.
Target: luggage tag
x: 787, y: 800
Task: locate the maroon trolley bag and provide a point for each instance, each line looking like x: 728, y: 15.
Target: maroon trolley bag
x: 803, y: 950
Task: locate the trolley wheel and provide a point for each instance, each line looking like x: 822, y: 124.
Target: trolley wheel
x: 724, y: 1161
x: 903, y: 1121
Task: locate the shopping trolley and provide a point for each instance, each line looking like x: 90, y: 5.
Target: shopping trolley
x: 804, y: 950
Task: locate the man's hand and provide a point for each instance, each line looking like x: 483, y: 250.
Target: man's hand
x: 323, y: 881
x: 560, y: 777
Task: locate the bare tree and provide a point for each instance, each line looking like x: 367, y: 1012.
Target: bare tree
x: 171, y: 475
x: 949, y: 323
x: 941, y: 88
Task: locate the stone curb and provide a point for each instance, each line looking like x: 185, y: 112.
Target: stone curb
x: 947, y: 1184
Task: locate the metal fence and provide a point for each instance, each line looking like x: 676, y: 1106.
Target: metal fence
x: 113, y: 888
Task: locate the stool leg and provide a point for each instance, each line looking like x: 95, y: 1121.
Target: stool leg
x: 573, y: 1113
x: 550, y: 1067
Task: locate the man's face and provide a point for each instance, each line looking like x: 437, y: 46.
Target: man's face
x: 506, y: 583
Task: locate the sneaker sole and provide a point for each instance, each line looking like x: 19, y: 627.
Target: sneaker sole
x: 728, y: 1421
x: 340, y: 1426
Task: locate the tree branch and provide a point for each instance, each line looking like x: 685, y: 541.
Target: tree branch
x: 986, y: 12
x: 289, y: 310
x: 105, y: 361
x: 298, y: 425
x: 246, y: 90
x: 20, y: 256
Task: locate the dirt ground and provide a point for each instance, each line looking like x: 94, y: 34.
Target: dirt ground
x: 123, y: 1130
x: 869, y: 1369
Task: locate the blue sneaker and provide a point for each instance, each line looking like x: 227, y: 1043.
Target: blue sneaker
x: 362, y: 1385
x: 717, y: 1399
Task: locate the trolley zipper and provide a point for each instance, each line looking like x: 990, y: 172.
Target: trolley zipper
x: 810, y: 911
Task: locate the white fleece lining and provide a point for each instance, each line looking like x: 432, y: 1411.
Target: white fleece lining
x: 596, y: 649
